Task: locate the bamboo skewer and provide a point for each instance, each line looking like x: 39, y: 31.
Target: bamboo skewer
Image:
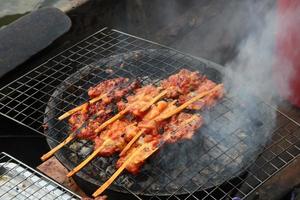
x: 111, y: 120
x: 78, y: 108
x: 120, y: 170
x: 123, y: 112
x: 55, y: 149
x: 127, y: 147
x: 87, y: 160
x: 105, y: 124
x: 186, y: 104
x: 70, y: 138
x: 155, y: 99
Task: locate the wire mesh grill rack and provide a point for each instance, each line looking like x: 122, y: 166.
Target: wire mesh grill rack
x: 25, y: 99
x: 19, y: 181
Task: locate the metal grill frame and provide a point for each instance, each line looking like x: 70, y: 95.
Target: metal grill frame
x: 21, y: 168
x: 29, y: 111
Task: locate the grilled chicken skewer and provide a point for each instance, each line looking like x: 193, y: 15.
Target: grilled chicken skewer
x: 177, y: 84
x: 120, y: 170
x: 136, y: 107
x: 108, y: 91
x: 148, y: 148
x: 180, y: 126
x: 137, y: 104
x: 81, y: 125
x: 99, y: 92
x: 139, y: 154
x: 166, y: 115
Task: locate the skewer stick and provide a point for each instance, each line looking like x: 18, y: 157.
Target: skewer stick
x: 78, y: 108
x: 111, y: 120
x: 155, y: 99
x: 123, y: 112
x: 136, y: 137
x: 71, y: 137
x: 119, y: 171
x: 55, y: 149
x: 86, y: 161
x: 190, y: 119
x: 127, y: 147
x: 186, y: 104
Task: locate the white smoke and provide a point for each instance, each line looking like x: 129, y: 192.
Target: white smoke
x: 253, y: 67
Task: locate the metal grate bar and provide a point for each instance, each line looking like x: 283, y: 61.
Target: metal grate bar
x: 19, y: 181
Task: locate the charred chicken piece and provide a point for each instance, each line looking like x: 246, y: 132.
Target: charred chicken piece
x: 113, y: 139
x: 77, y: 120
x: 149, y: 121
x: 141, y: 98
x: 107, y: 86
x: 182, y: 83
x: 120, y: 132
x: 181, y: 126
x: 208, y: 100
x: 146, y: 145
x: 113, y: 88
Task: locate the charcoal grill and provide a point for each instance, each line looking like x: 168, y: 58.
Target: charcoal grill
x: 107, y: 53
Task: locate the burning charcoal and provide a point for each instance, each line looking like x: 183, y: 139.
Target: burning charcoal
x: 126, y: 181
x: 45, y: 126
x: 84, y: 151
x: 154, y: 188
x: 172, y: 187
x: 147, y: 80
x: 110, y: 169
x: 102, y: 162
x: 102, y: 175
x: 109, y: 71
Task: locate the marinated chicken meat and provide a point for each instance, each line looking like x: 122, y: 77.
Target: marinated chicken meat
x: 107, y: 86
x: 146, y: 146
x: 88, y: 119
x: 135, y: 103
x: 208, y: 100
x: 180, y: 88
x: 113, y: 139
x: 113, y: 88
x: 150, y: 122
x: 120, y: 132
x: 182, y: 83
x: 181, y: 126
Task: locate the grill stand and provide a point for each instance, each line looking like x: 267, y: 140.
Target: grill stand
x: 24, y: 99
